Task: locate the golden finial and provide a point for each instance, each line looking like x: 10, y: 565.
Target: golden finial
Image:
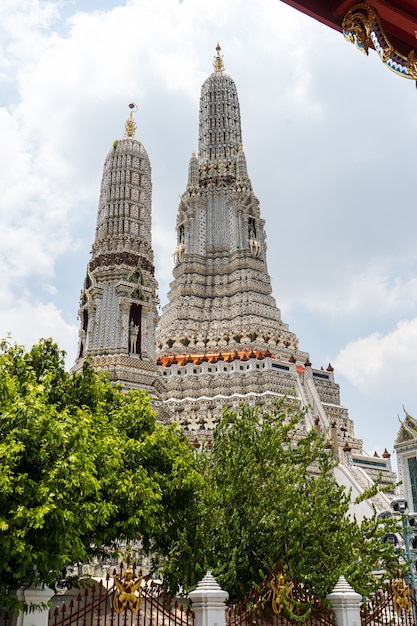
x: 130, y: 125
x: 218, y: 60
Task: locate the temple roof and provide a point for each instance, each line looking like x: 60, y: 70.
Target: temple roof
x: 408, y: 429
x: 399, y: 17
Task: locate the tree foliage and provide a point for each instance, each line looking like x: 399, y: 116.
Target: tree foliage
x: 81, y: 464
x: 270, y: 498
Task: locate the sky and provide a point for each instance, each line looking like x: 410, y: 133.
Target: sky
x: 329, y: 136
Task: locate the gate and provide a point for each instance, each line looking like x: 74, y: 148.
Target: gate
x: 110, y: 604
x: 395, y: 603
x: 280, y: 601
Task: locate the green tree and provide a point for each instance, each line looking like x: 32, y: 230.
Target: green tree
x: 81, y: 464
x: 270, y: 498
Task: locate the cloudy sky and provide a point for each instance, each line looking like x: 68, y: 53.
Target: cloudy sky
x: 329, y: 137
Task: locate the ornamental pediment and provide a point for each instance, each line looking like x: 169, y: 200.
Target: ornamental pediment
x: 404, y: 435
x: 408, y: 430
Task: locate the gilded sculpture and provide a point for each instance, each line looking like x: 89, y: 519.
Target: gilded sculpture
x: 402, y: 598
x: 127, y: 596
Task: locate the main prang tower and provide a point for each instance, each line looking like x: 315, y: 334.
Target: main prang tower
x: 221, y: 340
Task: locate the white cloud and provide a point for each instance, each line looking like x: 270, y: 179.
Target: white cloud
x: 356, y: 291
x: 27, y: 321
x: 382, y: 364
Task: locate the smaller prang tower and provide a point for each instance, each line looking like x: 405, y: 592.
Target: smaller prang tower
x: 118, y: 306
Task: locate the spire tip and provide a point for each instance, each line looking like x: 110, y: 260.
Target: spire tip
x: 218, y: 60
x: 130, y: 125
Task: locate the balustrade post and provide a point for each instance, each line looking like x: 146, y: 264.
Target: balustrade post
x: 209, y: 602
x: 32, y: 596
x: 346, y: 603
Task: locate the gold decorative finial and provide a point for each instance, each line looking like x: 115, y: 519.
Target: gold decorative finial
x: 130, y: 125
x: 218, y: 60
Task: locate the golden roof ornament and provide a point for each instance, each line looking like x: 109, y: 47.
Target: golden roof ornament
x: 218, y: 60
x: 130, y: 125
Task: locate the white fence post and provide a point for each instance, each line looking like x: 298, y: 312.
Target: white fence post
x: 32, y: 595
x: 209, y: 602
x: 346, y: 603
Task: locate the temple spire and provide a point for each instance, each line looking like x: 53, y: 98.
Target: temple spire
x: 130, y: 125
x: 118, y: 305
x: 218, y: 60
x: 220, y: 131
x: 241, y: 167
x: 193, y: 171
x: 220, y: 305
